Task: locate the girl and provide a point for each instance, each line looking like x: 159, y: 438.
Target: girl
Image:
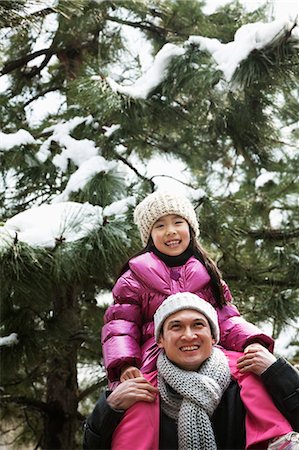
x: 173, y: 261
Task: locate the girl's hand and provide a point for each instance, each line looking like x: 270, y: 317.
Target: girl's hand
x: 256, y: 359
x: 129, y: 372
x: 129, y: 392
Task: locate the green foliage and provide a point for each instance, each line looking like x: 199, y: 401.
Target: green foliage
x: 229, y: 135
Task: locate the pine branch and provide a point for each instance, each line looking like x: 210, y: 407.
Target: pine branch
x: 262, y: 281
x: 83, y: 394
x: 174, y: 178
x: 139, y: 175
x: 48, y: 52
x: 37, y: 70
x: 41, y: 94
x: 26, y: 401
x: 17, y: 63
x: 274, y: 235
x: 29, y: 376
x: 14, y: 19
x: 146, y: 26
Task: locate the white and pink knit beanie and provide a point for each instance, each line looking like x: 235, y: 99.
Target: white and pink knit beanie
x: 161, y: 203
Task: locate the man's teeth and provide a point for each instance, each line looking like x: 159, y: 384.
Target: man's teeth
x: 190, y: 348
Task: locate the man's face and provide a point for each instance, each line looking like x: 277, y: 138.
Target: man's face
x: 187, y: 339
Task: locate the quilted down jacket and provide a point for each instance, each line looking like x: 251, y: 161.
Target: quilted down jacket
x: 128, y: 333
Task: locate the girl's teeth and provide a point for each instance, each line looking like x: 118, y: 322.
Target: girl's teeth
x: 172, y: 243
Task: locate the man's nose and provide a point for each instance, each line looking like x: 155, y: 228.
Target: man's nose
x: 188, y: 333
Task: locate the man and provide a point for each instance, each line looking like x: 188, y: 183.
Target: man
x: 191, y: 381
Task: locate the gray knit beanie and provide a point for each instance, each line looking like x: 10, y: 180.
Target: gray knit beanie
x: 159, y: 204
x: 186, y: 300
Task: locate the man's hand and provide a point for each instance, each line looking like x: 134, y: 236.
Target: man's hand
x: 129, y: 372
x: 130, y: 392
x: 256, y: 359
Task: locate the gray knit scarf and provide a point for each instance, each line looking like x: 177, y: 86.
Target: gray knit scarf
x: 191, y: 398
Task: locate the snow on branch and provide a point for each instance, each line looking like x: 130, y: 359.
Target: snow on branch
x: 119, y: 207
x: 153, y: 77
x: 87, y: 170
x: 82, y: 152
x: 60, y: 133
x: 9, y: 341
x: 249, y: 37
x: 21, y: 137
x: 47, y: 225
x: 253, y: 36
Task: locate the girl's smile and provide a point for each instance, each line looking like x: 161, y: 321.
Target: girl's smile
x: 171, y: 235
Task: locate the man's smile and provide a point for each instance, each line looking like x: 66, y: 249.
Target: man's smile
x: 189, y: 348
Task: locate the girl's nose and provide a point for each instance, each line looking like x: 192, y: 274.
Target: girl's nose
x: 170, y: 230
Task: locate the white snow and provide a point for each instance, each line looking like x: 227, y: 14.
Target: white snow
x: 104, y: 298
x: 10, y: 140
x: 76, y: 150
x: 82, y: 152
x: 249, y: 37
x: 265, y: 177
x: 42, y: 226
x: 289, y: 334
x: 9, y: 341
x: 152, y: 77
x: 119, y: 207
x: 277, y: 218
x: 87, y: 170
x: 110, y: 130
x: 44, y: 106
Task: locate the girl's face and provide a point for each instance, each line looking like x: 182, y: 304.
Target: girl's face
x: 171, y: 235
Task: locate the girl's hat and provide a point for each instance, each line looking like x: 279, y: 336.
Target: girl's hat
x: 186, y: 300
x: 159, y: 204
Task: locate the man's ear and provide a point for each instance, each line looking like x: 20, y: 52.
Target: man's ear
x: 160, y: 342
x: 213, y: 341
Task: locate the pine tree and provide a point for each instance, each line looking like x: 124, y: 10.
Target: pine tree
x: 236, y: 134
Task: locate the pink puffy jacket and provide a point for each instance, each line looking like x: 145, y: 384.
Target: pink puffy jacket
x: 128, y: 333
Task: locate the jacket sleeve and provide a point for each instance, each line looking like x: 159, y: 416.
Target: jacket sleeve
x: 281, y: 380
x: 100, y: 425
x: 235, y: 332
x: 122, y: 324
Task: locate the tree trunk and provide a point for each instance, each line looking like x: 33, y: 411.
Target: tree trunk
x: 62, y: 386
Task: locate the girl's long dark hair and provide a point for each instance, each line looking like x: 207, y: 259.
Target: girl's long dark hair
x: 199, y: 253
x: 203, y: 256
x: 149, y: 246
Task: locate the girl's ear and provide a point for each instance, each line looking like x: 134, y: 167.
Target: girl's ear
x: 213, y: 341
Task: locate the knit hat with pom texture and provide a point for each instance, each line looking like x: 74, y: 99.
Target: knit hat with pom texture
x: 159, y: 204
x: 186, y: 300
